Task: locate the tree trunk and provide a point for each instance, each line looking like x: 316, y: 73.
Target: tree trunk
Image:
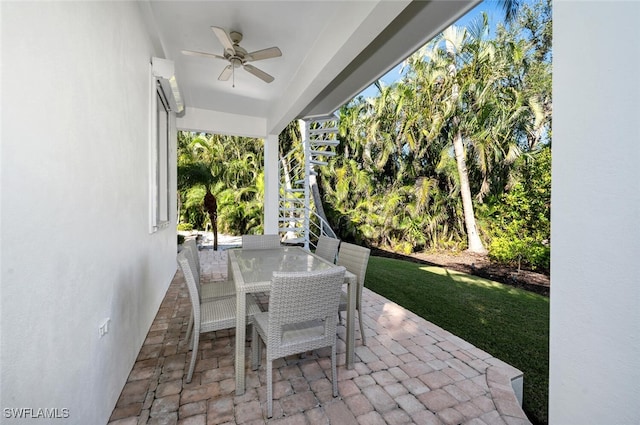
x: 179, y: 220
x: 211, y: 205
x: 474, y: 244
x: 317, y: 201
x: 473, y: 238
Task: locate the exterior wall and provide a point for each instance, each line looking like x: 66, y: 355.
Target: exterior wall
x: 75, y: 246
x: 595, y: 300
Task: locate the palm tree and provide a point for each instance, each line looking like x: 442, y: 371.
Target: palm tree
x: 229, y: 169
x: 198, y: 164
x: 510, y: 8
x: 455, y: 39
x: 199, y: 174
x: 531, y: 69
x: 474, y: 113
x: 211, y: 205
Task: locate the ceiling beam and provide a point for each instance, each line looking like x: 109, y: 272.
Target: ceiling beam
x: 418, y: 23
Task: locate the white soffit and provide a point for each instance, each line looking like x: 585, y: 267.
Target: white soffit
x: 331, y: 50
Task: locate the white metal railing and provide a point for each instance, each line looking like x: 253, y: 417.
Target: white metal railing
x: 322, y: 228
x: 298, y: 221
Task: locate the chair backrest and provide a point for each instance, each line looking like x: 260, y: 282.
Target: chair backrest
x: 194, y: 261
x: 194, y: 288
x: 327, y: 248
x: 193, y: 244
x: 260, y: 241
x: 355, y: 258
x: 299, y: 298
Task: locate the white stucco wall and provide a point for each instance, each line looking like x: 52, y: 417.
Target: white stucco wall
x: 75, y: 245
x: 595, y: 297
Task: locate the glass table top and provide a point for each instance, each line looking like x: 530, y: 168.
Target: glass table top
x: 258, y: 265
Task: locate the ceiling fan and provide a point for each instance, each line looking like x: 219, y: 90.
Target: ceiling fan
x: 237, y: 56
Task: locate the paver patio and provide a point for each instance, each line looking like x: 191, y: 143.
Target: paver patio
x: 411, y: 371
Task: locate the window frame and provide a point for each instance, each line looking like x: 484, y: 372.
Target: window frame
x: 159, y: 157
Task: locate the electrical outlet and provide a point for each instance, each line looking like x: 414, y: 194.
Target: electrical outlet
x: 103, y: 329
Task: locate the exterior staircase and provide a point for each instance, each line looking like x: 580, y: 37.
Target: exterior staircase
x: 301, y: 218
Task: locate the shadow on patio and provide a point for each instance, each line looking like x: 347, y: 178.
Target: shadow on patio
x: 411, y: 371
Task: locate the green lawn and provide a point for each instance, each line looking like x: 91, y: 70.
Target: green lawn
x: 509, y: 323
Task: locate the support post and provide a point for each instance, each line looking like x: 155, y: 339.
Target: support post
x: 271, y: 189
x: 304, y: 132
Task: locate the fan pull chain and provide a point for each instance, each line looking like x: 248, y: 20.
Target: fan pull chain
x: 233, y: 72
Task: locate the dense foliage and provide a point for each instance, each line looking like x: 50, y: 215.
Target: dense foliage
x: 232, y: 168
x: 398, y: 180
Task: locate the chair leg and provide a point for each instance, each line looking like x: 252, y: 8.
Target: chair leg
x: 334, y: 372
x: 194, y: 354
x: 189, y: 328
x: 269, y: 387
x: 256, y: 345
x: 364, y: 339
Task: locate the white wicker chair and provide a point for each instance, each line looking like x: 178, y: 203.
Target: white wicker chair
x: 210, y: 315
x: 327, y: 248
x: 355, y: 258
x: 301, y: 317
x: 260, y: 241
x: 223, y: 288
x: 192, y: 244
x: 208, y: 291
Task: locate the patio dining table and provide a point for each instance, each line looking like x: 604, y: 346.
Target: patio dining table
x: 252, y: 270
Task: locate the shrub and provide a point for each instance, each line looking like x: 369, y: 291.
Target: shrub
x: 185, y: 227
x: 403, y: 247
x: 520, y: 220
x: 513, y: 250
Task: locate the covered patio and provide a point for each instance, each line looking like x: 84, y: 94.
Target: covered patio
x: 411, y: 371
x: 79, y: 164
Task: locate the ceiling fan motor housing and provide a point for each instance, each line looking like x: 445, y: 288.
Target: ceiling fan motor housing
x: 237, y: 56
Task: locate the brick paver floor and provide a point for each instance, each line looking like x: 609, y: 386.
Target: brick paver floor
x: 410, y: 372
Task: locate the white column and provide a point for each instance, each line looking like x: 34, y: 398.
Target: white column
x: 306, y: 144
x: 271, y: 189
x: 594, y: 331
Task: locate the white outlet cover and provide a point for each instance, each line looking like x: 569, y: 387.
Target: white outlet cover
x: 104, y: 327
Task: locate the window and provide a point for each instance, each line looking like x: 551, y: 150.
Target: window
x: 159, y: 158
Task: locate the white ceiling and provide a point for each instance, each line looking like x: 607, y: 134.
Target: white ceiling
x: 331, y: 50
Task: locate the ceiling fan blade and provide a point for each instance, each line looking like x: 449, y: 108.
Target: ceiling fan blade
x: 259, y: 73
x: 225, y: 40
x: 271, y: 52
x: 226, y: 73
x: 201, y: 54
